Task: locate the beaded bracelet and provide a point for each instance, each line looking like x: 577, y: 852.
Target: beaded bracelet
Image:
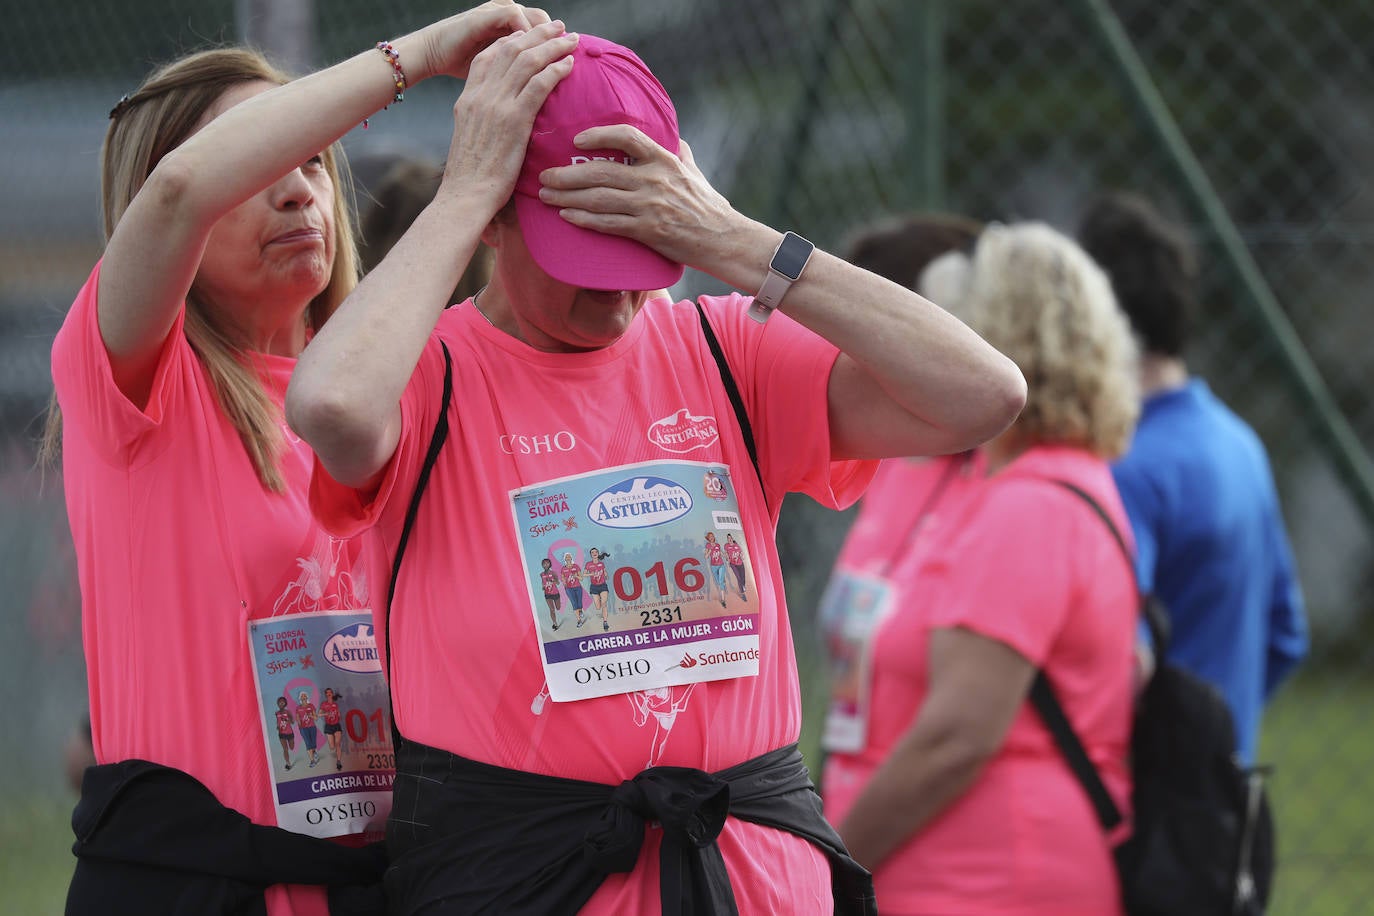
x: 394, y: 58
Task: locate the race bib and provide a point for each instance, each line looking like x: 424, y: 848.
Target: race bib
x: 663, y: 603
x: 325, y: 724
x: 851, y: 609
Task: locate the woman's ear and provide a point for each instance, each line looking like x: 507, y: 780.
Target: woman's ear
x: 504, y: 219
x: 491, y: 234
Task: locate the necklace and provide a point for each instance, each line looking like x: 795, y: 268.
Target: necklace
x: 479, y: 308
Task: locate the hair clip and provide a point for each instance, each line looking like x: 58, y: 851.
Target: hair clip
x: 122, y: 104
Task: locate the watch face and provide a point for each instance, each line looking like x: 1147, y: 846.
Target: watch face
x: 792, y: 256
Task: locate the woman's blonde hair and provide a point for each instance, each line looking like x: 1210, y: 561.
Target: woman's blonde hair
x: 145, y: 126
x: 1037, y: 297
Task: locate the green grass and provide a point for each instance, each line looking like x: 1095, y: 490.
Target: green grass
x: 35, y: 854
x: 1318, y: 734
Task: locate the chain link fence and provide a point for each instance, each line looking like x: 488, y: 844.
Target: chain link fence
x: 823, y: 115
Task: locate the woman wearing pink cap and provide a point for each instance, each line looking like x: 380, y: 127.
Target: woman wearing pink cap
x: 567, y: 162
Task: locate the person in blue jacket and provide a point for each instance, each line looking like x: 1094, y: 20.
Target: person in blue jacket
x: 1196, y: 481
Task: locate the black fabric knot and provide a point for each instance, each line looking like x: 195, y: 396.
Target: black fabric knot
x: 691, y: 805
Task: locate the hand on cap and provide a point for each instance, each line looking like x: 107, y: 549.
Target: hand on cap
x: 660, y: 200
x: 451, y: 44
x: 508, y: 84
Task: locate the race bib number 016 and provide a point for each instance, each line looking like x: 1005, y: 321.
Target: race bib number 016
x: 639, y: 577
x: 325, y: 721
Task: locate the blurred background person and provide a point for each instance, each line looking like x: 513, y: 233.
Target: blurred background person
x: 901, y: 247
x: 958, y: 799
x: 901, y: 509
x: 1196, y: 483
x: 406, y: 187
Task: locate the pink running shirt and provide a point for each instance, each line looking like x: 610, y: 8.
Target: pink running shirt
x: 597, y: 571
x: 178, y: 546
x: 1025, y: 563
x: 549, y: 581
x: 659, y: 398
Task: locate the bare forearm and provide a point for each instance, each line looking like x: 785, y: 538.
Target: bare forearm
x: 156, y: 248
x: 956, y: 390
x: 345, y: 393
x: 976, y: 687
x: 254, y: 143
x: 945, y: 389
x: 917, y: 782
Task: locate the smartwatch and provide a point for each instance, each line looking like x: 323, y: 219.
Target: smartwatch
x: 785, y: 269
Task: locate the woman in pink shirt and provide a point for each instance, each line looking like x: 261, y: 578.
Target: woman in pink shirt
x: 596, y: 580
x: 734, y: 554
x: 687, y: 717
x: 548, y: 582
x: 286, y: 730
x: 715, y: 560
x: 571, y: 574
x: 228, y: 246
x: 952, y: 791
x: 305, y: 720
x: 333, y: 725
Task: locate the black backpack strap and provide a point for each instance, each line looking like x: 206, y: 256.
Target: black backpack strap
x: 1046, y: 703
x: 436, y: 442
x: 1156, y: 618
x: 737, y: 402
x: 1042, y: 697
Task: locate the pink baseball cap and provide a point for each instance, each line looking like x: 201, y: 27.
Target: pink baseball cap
x: 608, y: 84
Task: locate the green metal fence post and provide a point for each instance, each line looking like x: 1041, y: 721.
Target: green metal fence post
x: 925, y: 77
x: 808, y: 107
x: 1352, y: 461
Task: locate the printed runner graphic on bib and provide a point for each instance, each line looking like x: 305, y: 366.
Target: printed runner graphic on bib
x: 324, y: 708
x: 850, y: 612
x: 638, y: 578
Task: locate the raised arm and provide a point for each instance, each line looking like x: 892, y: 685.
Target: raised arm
x: 345, y: 394
x: 156, y: 248
x: 911, y: 379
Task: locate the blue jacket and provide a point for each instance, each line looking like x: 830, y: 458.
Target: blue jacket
x: 1211, y: 545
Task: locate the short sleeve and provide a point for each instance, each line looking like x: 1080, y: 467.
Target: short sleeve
x: 92, y: 404
x: 345, y: 511
x: 1008, y: 575
x: 783, y: 370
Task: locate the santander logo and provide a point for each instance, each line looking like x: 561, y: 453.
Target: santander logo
x: 683, y: 432
x: 687, y: 662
